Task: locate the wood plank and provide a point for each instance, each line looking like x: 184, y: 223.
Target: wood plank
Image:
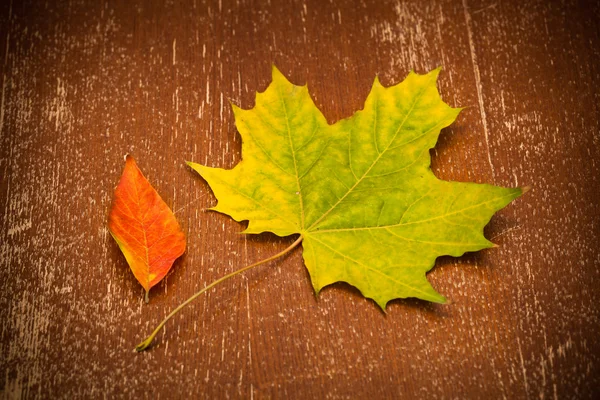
x: 84, y: 83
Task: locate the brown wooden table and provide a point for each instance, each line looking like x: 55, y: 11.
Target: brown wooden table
x: 85, y: 82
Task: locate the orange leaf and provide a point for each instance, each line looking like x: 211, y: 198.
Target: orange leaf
x: 144, y: 227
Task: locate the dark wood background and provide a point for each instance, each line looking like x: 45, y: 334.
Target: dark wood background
x: 85, y: 82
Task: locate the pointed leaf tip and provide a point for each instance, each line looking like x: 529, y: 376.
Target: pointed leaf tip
x: 382, y: 306
x: 276, y: 74
x: 435, y: 73
x: 235, y: 108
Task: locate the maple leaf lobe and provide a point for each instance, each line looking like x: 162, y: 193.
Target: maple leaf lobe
x: 360, y: 191
x: 144, y: 227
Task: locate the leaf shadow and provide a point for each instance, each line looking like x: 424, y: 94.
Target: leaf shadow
x: 446, y: 139
x: 497, y: 226
x: 433, y: 309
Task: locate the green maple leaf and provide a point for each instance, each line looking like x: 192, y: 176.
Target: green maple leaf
x: 360, y: 192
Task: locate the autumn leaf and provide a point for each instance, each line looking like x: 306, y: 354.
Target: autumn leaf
x: 360, y: 192
x: 144, y: 227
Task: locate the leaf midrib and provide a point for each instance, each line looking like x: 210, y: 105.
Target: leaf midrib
x: 141, y: 221
x: 298, y: 186
x: 413, y: 222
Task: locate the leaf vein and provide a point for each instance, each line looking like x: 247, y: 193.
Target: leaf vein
x: 417, y: 98
x: 364, y: 266
x: 485, y: 203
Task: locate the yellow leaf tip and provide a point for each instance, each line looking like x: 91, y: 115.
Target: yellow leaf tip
x: 193, y: 165
x: 275, y: 72
x: 317, y: 291
x: 382, y: 306
x: 377, y: 83
x: 234, y: 107
x: 525, y: 189
x: 435, y: 72
x: 279, y: 78
x: 439, y: 299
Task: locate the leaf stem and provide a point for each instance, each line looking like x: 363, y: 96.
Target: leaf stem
x: 146, y: 343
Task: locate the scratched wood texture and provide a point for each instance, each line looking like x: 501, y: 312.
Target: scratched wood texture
x: 85, y: 82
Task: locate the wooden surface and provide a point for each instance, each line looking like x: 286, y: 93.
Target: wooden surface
x: 85, y: 82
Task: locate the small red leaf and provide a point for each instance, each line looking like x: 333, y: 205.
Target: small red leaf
x: 144, y: 227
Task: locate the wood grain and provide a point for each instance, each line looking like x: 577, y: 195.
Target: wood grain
x: 85, y: 82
